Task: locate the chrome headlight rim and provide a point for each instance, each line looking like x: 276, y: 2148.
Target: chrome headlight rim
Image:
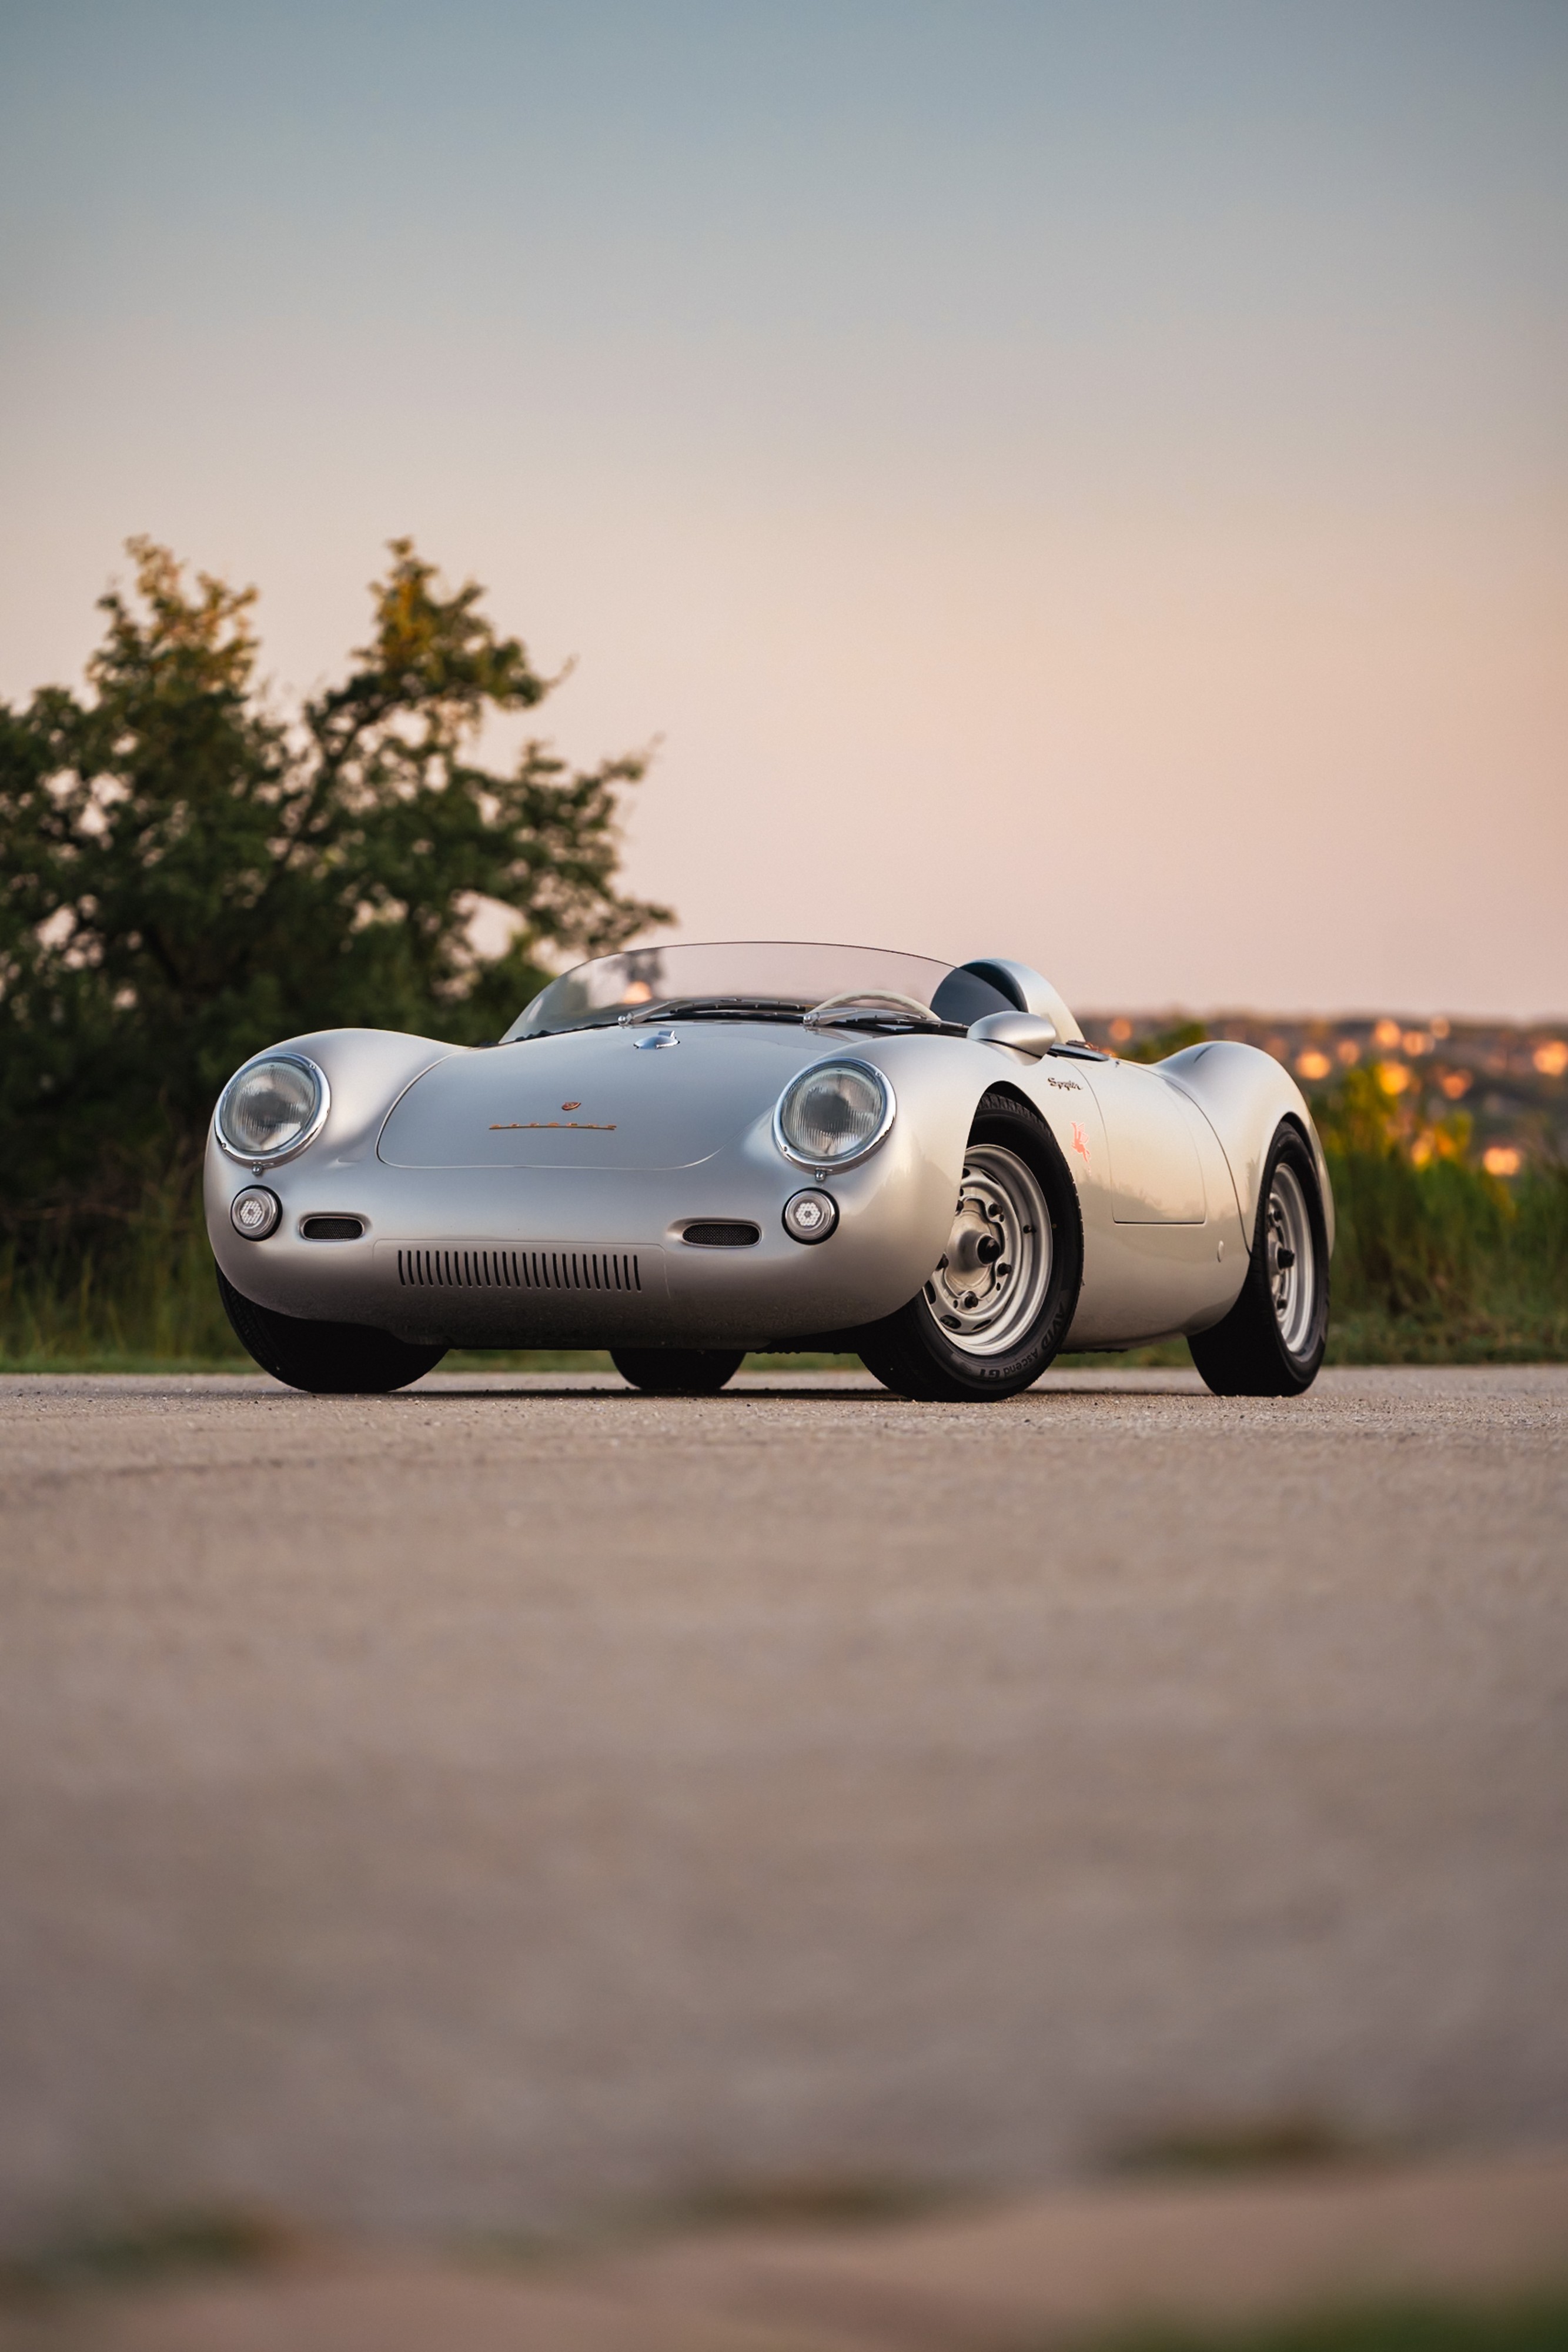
x: 829, y: 1160
x: 296, y: 1144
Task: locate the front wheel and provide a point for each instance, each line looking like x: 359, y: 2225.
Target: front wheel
x: 999, y: 1303
x: 324, y: 1358
x: 1272, y: 1341
x: 678, y: 1371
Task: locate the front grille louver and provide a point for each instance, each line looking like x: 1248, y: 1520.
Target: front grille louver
x: 518, y: 1269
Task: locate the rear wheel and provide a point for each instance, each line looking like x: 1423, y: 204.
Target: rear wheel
x: 324, y: 1358
x: 996, y: 1307
x: 1272, y: 1341
x: 678, y: 1371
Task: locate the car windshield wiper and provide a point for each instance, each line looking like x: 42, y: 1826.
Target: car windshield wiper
x: 717, y: 1008
x: 896, y: 1024
x: 884, y: 1017
x: 775, y: 1008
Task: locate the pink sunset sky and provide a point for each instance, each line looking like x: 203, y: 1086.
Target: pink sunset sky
x: 1079, y: 483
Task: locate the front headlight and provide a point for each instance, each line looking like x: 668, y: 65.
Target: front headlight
x: 834, y: 1113
x: 272, y: 1108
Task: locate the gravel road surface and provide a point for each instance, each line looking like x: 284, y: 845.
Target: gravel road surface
x: 520, y: 1799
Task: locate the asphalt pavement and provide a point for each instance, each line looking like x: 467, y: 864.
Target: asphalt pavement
x: 520, y: 1801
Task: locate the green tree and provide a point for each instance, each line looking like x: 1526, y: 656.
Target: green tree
x: 187, y: 873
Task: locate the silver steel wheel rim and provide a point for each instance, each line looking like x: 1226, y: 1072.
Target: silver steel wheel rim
x: 991, y: 1279
x: 1292, y: 1266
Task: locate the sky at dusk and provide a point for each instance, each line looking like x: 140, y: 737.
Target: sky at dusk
x: 1087, y: 483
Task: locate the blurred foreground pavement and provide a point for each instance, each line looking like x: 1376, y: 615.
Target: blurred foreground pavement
x: 517, y: 1803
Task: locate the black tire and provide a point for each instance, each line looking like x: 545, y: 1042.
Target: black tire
x: 324, y: 1358
x: 912, y: 1352
x: 678, y: 1371
x: 1272, y: 1342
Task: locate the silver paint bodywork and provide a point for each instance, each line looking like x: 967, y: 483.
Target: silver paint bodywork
x: 537, y: 1194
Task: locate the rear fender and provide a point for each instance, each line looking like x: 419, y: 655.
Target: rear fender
x: 1244, y: 1093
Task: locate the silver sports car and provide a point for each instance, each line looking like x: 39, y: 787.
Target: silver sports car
x: 683, y: 1154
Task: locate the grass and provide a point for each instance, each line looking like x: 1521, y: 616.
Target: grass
x: 1246, y: 2145
x: 161, y: 2251
x: 1441, y: 1263
x: 1436, y: 1262
x: 145, y: 2251
x: 137, y: 1294
x: 1535, y: 2324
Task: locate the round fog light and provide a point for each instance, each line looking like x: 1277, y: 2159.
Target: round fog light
x: 255, y: 1213
x: 810, y: 1216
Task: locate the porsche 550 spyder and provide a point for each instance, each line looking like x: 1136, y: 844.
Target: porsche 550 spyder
x: 683, y: 1153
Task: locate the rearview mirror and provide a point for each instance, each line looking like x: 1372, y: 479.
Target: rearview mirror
x: 1026, y: 1032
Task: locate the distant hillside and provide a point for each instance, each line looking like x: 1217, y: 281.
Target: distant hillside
x: 1510, y: 1078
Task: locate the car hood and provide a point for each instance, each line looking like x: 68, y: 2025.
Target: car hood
x: 595, y: 1099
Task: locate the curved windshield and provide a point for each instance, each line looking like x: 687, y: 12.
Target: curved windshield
x: 758, y: 980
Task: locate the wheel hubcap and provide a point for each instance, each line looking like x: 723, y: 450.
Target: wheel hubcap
x: 993, y: 1275
x: 1292, y: 1269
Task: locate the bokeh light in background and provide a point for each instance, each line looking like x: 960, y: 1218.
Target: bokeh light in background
x: 1083, y: 483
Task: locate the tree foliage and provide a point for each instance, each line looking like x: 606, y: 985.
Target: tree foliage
x: 187, y: 874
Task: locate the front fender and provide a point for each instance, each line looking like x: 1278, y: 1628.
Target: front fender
x: 365, y: 1070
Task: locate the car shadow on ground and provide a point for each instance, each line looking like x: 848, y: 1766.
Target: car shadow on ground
x: 850, y: 1392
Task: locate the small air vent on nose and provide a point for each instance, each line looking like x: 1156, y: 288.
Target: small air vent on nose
x: 722, y: 1234
x: 518, y: 1269
x: 332, y: 1229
